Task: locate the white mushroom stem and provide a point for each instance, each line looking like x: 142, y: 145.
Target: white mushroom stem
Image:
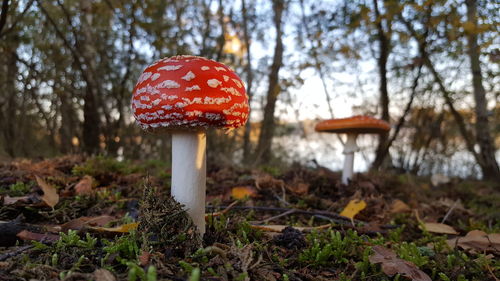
x: 349, y: 148
x: 189, y: 174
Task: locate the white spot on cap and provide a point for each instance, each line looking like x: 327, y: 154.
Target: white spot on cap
x: 214, y: 83
x: 189, y: 76
x: 145, y: 98
x: 205, y: 68
x: 145, y: 76
x: 155, y: 76
x: 232, y: 91
x: 225, y: 78
x: 238, y: 83
x: 193, y: 88
x: 169, y: 84
x: 170, y: 67
x: 219, y: 68
x: 156, y: 102
x: 180, y: 105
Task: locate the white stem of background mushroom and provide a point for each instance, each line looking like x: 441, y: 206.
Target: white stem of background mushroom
x: 189, y: 174
x: 349, y: 148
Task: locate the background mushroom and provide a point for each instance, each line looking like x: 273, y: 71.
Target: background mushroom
x: 185, y: 95
x: 352, y: 127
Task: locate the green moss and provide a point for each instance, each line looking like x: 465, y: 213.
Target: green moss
x: 100, y: 165
x: 19, y: 188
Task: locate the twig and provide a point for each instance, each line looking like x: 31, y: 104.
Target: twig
x: 449, y: 211
x: 227, y: 209
x: 15, y: 252
x: 289, y: 212
x: 340, y: 219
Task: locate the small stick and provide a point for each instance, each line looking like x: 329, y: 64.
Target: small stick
x: 227, y: 209
x: 291, y: 211
x: 449, y: 211
x: 15, y: 252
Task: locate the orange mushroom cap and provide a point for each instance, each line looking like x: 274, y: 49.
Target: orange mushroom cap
x: 357, y: 124
x: 189, y: 92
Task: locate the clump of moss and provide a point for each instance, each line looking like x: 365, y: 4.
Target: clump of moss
x: 165, y: 226
x: 100, y: 165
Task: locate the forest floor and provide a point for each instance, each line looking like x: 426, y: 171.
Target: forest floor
x: 72, y: 218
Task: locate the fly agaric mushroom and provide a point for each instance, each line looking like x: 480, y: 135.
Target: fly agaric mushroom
x: 185, y: 95
x: 352, y: 127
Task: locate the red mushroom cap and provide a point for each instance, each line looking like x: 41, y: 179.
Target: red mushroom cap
x: 357, y: 124
x: 189, y: 92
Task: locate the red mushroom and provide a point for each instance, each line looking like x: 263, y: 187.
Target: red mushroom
x: 352, y: 127
x: 185, y: 95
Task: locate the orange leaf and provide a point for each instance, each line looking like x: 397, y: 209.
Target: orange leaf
x: 353, y: 208
x: 399, y: 206
x: 84, y: 186
x: 124, y: 228
x: 241, y: 192
x: 50, y: 196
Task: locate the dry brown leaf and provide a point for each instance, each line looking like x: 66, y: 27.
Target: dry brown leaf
x: 279, y: 227
x: 144, y: 258
x: 240, y: 192
x: 7, y: 200
x: 82, y: 222
x: 102, y: 274
x: 441, y: 228
x: 477, y: 241
x: 30, y: 236
x: 399, y: 206
x: 124, y: 228
x: 299, y: 188
x: 84, y: 186
x: 392, y: 265
x: 353, y: 208
x: 50, y: 196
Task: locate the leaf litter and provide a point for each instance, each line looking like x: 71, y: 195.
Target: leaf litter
x: 101, y: 219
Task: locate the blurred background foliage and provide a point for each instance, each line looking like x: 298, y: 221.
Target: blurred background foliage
x: 68, y: 67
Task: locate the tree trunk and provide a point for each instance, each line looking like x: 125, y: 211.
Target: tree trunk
x: 9, y: 119
x: 91, y: 118
x: 483, y: 136
x: 268, y: 124
x: 384, y: 49
x: 249, y: 78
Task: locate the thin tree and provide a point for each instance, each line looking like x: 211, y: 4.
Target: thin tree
x: 483, y: 136
x: 263, y: 153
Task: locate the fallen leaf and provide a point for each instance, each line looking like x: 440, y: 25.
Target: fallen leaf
x: 353, y: 208
x: 399, y: 206
x: 124, y: 228
x: 102, y: 274
x: 441, y: 228
x: 279, y: 227
x: 477, y: 241
x: 7, y: 200
x: 30, y: 236
x: 80, y: 223
x: 144, y: 258
x: 299, y: 188
x: 50, y: 196
x: 84, y: 186
x: 241, y: 192
x: 392, y: 265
